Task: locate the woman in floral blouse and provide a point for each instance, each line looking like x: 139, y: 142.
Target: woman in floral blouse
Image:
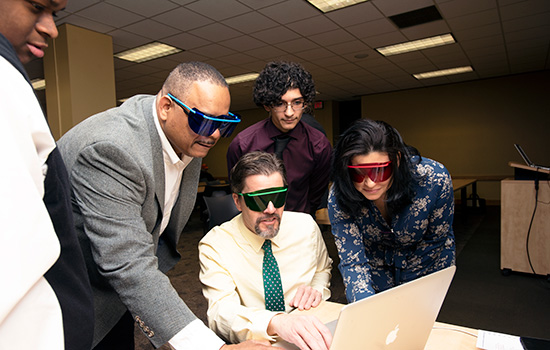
x: 391, y: 210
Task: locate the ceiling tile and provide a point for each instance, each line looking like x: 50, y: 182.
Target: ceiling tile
x: 258, y: 4
x: 182, y: 19
x: 390, y: 38
x: 395, y: 7
x: 475, y: 20
x: 243, y: 43
x: 524, y: 8
x: 457, y: 8
x: 215, y: 32
x: 110, y: 15
x: 357, y: 14
x: 297, y: 45
x: 266, y: 52
x: 186, y: 41
x: 250, y: 22
x: 313, y: 25
x: 151, y: 29
x: 332, y: 37
x: 218, y: 10
x: 290, y: 11
x: 145, y: 8
x: 214, y: 51
x: 276, y: 35
x: 127, y: 39
x: 354, y: 46
x: 426, y: 30
x: 372, y: 28
x: 540, y: 20
x: 477, y: 32
x: 75, y: 6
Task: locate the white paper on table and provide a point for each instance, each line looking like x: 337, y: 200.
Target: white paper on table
x: 497, y: 341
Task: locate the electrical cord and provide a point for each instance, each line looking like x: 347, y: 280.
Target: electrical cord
x: 531, y: 223
x: 455, y: 330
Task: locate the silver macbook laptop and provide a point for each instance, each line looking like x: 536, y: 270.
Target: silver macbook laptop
x: 398, y: 318
x: 527, y: 160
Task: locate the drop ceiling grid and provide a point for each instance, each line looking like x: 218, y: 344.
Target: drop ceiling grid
x: 496, y: 37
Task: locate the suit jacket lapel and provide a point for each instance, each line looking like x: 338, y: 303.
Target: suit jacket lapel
x: 157, y: 157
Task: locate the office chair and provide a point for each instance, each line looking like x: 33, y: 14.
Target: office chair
x: 220, y: 209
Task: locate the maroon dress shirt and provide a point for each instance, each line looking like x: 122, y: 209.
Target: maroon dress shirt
x: 307, y: 159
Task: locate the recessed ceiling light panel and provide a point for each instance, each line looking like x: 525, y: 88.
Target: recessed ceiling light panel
x: 415, y: 45
x: 443, y: 72
x: 241, y: 78
x: 331, y: 5
x: 147, y: 52
x: 38, y: 84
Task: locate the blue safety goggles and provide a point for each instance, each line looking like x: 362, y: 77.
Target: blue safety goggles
x: 205, y: 125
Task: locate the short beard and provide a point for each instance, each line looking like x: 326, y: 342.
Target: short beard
x: 271, y: 231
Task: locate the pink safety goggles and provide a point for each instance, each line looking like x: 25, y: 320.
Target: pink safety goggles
x: 377, y: 172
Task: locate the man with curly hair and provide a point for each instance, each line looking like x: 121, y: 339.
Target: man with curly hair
x: 285, y: 90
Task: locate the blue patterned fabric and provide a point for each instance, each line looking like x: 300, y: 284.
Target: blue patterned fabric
x: 375, y: 256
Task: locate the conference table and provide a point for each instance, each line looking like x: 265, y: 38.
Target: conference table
x: 443, y: 335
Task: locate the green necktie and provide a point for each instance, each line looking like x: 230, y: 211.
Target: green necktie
x: 273, y: 289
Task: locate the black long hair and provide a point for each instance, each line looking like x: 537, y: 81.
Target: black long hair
x: 365, y: 136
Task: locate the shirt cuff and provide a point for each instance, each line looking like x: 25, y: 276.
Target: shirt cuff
x: 196, y: 336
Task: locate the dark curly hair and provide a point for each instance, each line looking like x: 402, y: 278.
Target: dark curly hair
x: 365, y: 136
x: 277, y: 78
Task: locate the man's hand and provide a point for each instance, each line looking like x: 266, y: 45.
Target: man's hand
x: 306, y: 298
x: 306, y: 332
x: 249, y: 345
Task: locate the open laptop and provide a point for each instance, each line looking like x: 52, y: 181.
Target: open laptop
x: 527, y: 160
x: 398, y: 318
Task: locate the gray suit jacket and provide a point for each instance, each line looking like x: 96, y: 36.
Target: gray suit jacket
x: 115, y: 163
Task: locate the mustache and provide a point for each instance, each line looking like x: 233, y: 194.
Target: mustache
x: 269, y: 217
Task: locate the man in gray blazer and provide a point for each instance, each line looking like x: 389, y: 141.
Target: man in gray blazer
x: 134, y: 172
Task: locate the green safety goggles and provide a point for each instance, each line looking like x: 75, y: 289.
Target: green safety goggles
x: 259, y: 200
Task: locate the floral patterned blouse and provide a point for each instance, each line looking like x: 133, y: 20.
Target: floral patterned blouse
x: 375, y: 256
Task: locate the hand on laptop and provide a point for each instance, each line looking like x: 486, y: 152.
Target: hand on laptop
x: 306, y: 332
x: 306, y: 298
x: 249, y: 345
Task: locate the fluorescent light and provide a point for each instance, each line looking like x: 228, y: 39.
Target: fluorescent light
x: 331, y: 5
x: 38, y: 84
x: 241, y: 78
x: 440, y: 73
x: 416, y: 45
x: 147, y: 52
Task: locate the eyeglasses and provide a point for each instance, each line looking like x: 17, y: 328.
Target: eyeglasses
x: 281, y: 106
x: 259, y: 200
x: 377, y: 172
x: 205, y: 125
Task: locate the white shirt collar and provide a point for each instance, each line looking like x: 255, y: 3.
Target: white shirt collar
x: 168, y: 151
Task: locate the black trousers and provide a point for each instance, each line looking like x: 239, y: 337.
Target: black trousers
x: 121, y: 337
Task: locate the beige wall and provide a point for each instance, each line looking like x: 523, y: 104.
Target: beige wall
x: 471, y: 127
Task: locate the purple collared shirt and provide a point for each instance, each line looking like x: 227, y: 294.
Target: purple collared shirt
x: 307, y: 159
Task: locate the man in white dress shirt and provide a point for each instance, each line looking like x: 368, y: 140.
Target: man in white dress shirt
x: 231, y: 258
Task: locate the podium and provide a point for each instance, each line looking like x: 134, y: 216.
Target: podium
x: 525, y: 236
